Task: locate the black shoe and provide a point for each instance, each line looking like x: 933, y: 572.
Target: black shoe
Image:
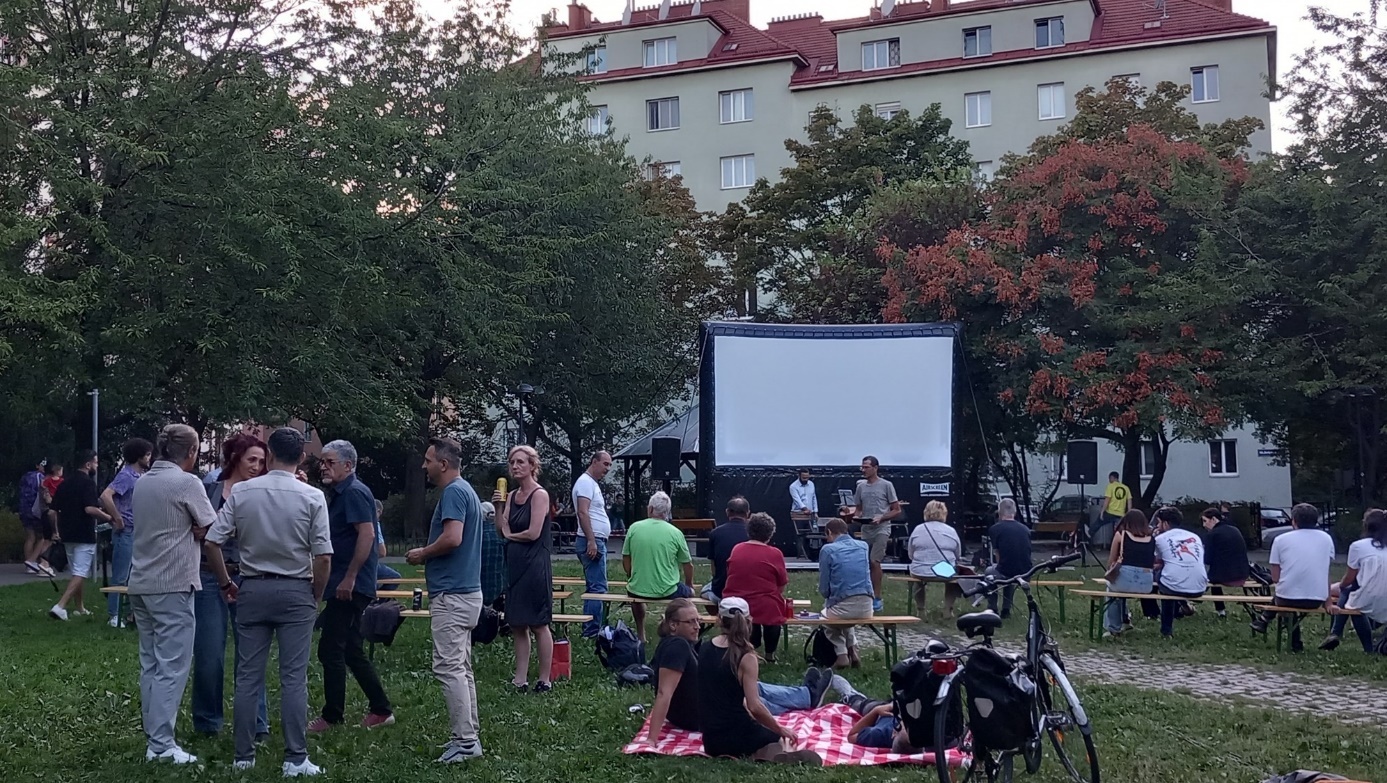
x: 818, y: 689
x: 543, y: 687
x: 1331, y: 642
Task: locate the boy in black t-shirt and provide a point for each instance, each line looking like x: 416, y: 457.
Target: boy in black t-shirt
x: 78, y: 506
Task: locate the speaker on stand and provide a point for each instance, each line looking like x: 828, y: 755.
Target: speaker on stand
x: 665, y: 460
x: 1081, y: 468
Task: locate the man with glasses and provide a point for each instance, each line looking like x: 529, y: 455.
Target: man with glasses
x: 351, y: 586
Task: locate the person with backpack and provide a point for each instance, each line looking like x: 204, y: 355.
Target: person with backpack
x: 732, y: 717
x: 32, y: 509
x: 1364, y: 586
x: 845, y: 582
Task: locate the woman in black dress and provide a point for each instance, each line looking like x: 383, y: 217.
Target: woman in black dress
x: 734, y: 720
x: 523, y: 520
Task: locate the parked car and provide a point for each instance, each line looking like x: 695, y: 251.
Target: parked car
x: 1275, y: 517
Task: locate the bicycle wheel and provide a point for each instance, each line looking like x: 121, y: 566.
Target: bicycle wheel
x: 1071, y: 732
x: 951, y: 732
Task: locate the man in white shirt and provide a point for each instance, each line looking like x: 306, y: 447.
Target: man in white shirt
x: 594, y: 527
x: 803, y: 499
x: 1179, y: 564
x: 1300, y: 563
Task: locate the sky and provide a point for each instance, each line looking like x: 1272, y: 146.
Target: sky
x: 1294, y: 31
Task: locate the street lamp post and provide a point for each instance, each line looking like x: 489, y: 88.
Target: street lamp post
x: 524, y: 390
x: 95, y: 394
x: 1357, y: 394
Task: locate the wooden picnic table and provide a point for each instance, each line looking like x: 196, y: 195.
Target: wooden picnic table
x: 1099, y: 600
x: 1058, y: 585
x: 1289, y: 618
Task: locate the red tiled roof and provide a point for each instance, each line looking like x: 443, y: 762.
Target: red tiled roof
x: 813, y: 40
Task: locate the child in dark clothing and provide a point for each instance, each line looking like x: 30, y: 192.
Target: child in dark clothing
x: 878, y: 727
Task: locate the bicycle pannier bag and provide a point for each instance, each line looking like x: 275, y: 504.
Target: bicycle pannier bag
x: 914, y: 686
x: 999, y: 697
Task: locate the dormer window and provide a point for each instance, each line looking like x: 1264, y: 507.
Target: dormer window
x: 877, y: 55
x: 661, y: 51
x: 1049, y: 33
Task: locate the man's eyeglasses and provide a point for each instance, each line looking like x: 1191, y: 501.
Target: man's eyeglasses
x: 328, y: 463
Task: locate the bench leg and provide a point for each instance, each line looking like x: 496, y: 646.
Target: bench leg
x: 1280, y: 626
x: 1092, y: 618
x: 1061, y: 589
x: 910, y: 598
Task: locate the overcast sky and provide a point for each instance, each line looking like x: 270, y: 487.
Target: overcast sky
x: 1295, y: 33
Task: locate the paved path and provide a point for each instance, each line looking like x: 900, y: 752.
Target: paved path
x: 1228, y: 683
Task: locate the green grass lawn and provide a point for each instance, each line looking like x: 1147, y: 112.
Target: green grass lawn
x: 73, y: 715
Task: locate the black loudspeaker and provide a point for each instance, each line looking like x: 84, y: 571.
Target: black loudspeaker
x: 1081, y: 463
x: 664, y: 459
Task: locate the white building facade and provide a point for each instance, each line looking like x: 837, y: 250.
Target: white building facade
x: 704, y: 94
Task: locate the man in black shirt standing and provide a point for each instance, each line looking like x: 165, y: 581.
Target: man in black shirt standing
x: 1011, y: 552
x: 721, y: 539
x: 1225, y: 553
x: 78, y: 505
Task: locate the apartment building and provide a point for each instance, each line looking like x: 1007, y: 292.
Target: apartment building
x: 707, y: 95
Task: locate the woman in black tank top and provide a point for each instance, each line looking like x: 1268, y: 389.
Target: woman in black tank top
x: 1130, y: 563
x: 523, y: 519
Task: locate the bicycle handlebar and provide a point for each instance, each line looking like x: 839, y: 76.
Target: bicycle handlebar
x: 989, y: 584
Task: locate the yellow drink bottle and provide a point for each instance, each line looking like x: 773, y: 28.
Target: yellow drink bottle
x: 501, y: 488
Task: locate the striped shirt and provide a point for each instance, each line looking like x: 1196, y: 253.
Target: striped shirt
x: 169, y: 503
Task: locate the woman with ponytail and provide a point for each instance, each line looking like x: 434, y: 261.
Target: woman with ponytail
x: 734, y: 720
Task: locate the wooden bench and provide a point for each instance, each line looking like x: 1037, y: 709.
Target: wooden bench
x: 882, y: 626
x: 607, y: 599
x: 578, y: 581
x: 1058, y: 585
x: 561, y: 596
x: 1099, y: 600
x: 1289, y: 618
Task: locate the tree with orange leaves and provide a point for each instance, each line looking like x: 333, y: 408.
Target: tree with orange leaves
x: 1092, y: 293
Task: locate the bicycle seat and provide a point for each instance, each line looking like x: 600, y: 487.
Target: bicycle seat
x: 979, y: 623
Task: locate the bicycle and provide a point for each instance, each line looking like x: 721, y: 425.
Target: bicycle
x: 1055, y: 708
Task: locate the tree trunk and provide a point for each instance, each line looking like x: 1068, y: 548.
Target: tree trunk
x: 1131, y: 461
x: 416, y: 481
x: 1162, y: 449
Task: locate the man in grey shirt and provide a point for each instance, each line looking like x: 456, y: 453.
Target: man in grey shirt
x: 174, y: 515
x: 877, y: 506
x: 281, y: 529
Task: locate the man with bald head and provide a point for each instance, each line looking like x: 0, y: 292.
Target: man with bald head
x: 594, y: 528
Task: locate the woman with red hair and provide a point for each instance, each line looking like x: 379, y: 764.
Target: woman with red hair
x: 243, y: 457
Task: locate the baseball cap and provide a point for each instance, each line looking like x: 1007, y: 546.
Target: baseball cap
x: 733, y: 606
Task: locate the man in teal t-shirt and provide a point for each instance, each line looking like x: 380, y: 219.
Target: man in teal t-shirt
x: 652, y: 556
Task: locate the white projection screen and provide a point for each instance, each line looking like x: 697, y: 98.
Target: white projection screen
x: 828, y: 396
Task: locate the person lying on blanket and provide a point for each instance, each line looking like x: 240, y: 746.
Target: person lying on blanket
x: 878, y: 727
x: 676, y: 666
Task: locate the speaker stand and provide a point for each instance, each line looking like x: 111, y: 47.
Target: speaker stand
x: 1081, y: 532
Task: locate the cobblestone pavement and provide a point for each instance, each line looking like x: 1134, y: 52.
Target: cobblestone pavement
x: 1226, y: 683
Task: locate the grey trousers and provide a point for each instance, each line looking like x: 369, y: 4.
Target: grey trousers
x: 166, y: 629
x: 265, y: 609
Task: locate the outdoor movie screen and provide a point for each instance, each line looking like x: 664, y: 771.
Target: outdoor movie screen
x: 827, y: 401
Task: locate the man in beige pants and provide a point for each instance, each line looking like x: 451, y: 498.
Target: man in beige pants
x: 845, y: 582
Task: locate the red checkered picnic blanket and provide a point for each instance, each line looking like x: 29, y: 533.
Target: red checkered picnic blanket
x: 824, y: 731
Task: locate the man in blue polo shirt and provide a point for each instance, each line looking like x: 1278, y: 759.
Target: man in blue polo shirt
x: 351, y: 586
x: 454, y: 580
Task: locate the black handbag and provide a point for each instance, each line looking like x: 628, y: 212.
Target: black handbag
x: 57, y: 556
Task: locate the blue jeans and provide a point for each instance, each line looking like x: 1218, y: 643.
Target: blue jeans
x: 780, y: 699
x: 1361, y: 625
x: 212, y: 615
x: 122, y: 546
x: 384, y: 574
x: 1169, y: 607
x: 595, y: 575
x: 1130, y: 579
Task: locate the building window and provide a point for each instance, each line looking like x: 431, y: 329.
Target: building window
x: 881, y: 54
x: 888, y: 111
x: 1133, y: 80
x: 597, y: 60
x: 1051, y: 98
x: 1205, y: 83
x: 661, y: 51
x: 1223, y: 458
x: 1049, y: 33
x: 1148, y: 458
x: 738, y: 171
x: 662, y: 114
x: 979, y: 109
x: 984, y: 170
x: 597, y: 121
x: 736, y: 106
x: 669, y: 170
x: 977, y: 42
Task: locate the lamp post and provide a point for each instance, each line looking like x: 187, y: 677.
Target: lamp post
x: 1356, y: 394
x: 95, y: 394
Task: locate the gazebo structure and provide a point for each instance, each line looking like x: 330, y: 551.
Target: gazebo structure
x: 637, y: 456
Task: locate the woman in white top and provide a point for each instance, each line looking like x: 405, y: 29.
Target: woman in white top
x: 932, y: 542
x: 1364, y: 586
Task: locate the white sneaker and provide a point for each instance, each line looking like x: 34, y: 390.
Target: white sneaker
x: 115, y: 622
x: 175, y: 754
x: 57, y: 613
x: 47, y: 570
x: 243, y: 765
x: 304, y: 767
x: 32, y: 566
x: 83, y: 612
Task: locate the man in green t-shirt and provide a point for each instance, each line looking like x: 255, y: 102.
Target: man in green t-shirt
x: 652, y: 556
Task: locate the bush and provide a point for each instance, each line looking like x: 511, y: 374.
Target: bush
x: 1348, y: 527
x: 11, y: 538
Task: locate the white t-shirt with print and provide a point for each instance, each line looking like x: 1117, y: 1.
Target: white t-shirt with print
x: 1370, y: 561
x: 1304, y: 556
x: 1182, y: 561
x: 587, y: 487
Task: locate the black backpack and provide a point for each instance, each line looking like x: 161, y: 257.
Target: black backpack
x: 618, y: 647
x: 818, y: 650
x: 1000, y: 697
x: 914, y: 686
x: 57, y: 556
x: 381, y: 620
